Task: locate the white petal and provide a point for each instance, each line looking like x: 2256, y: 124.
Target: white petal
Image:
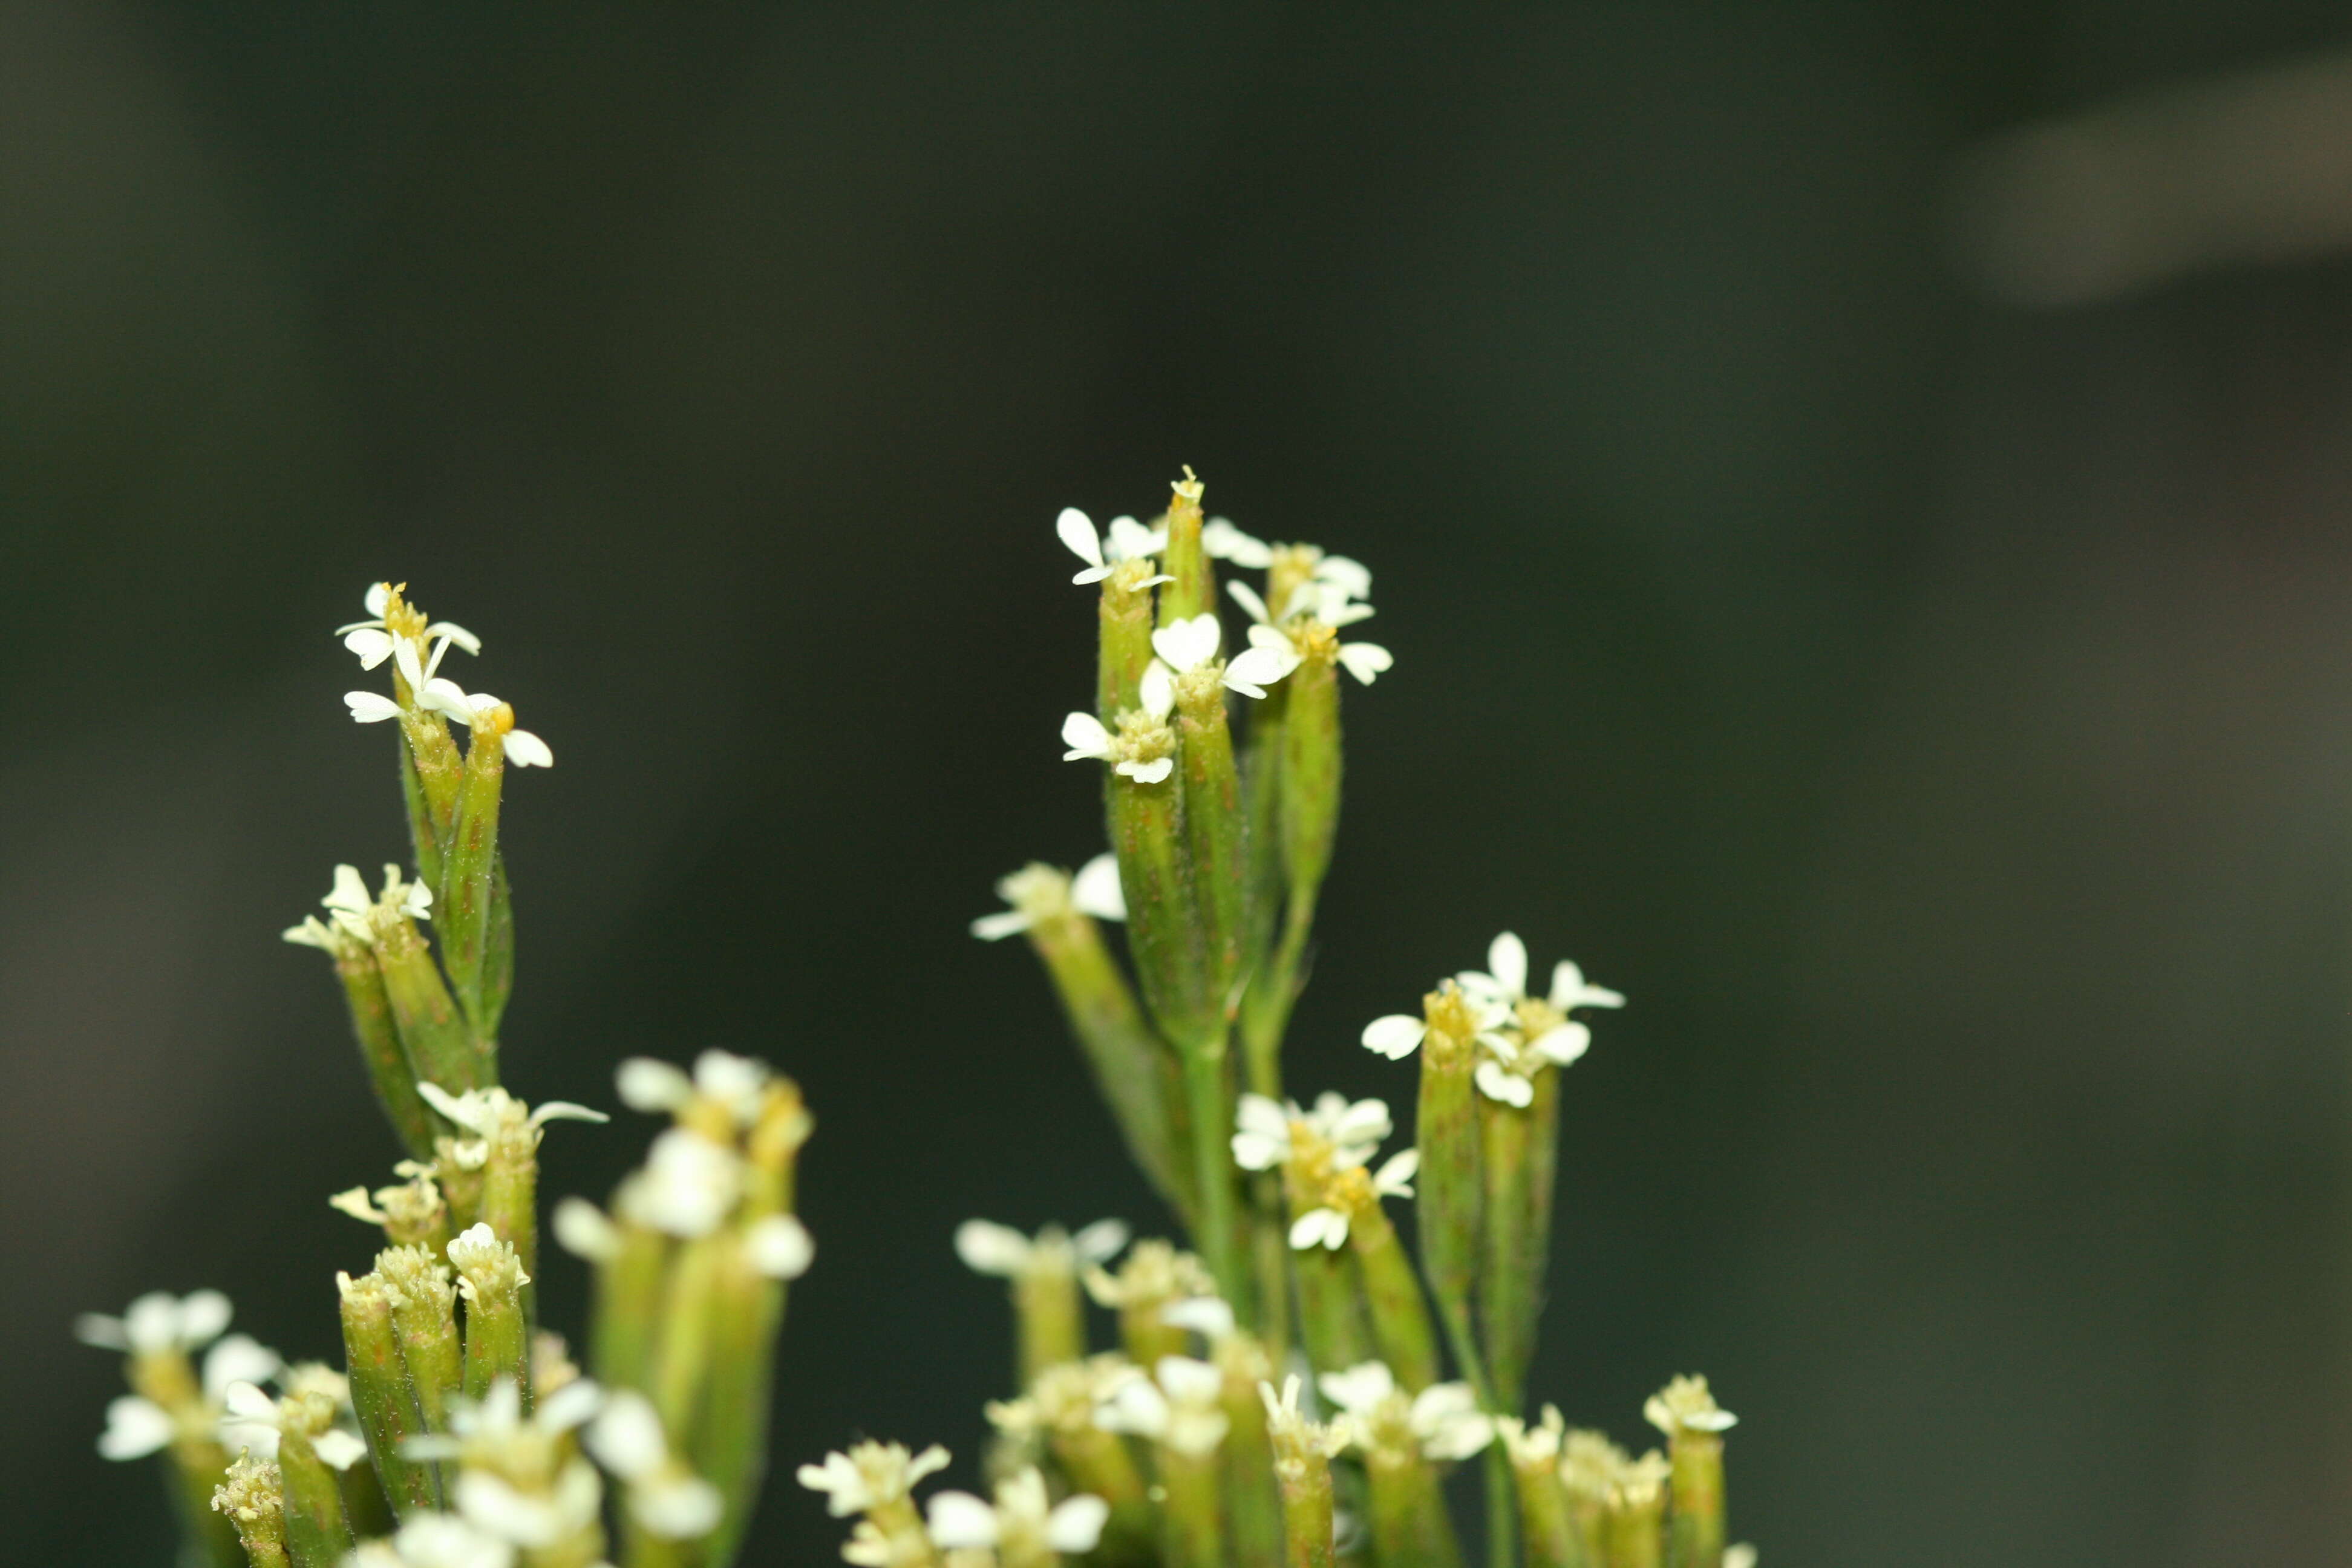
x: 1258, y: 1114
x: 1565, y: 1043
x: 467, y: 1111
x: 1149, y: 773
x: 1359, y: 1388
x: 238, y: 1359
x: 444, y: 696
x: 340, y: 1449
x: 1365, y: 1122
x: 677, y: 1508
x: 1129, y: 539
x: 1255, y: 1151
x: 645, y: 1084
x: 1000, y: 925
x: 1248, y: 598
x: 202, y: 1315
x: 450, y: 631
x: 1156, y: 689
x: 1394, y: 1178
x: 1208, y: 1316
x: 1255, y: 668
x: 1506, y: 961
x: 1077, y: 534
x: 153, y: 1323
x: 1075, y: 1525
x: 1189, y: 1379
x: 960, y: 1519
x: 377, y: 597
x: 1084, y: 736
x: 370, y: 707
x: 582, y: 1230
x: 626, y: 1435
x: 101, y: 1330
x: 1365, y: 660
x: 549, y: 1111
x: 525, y: 750
x: 372, y: 644
x: 350, y: 892
x: 1568, y: 990
x: 779, y: 1246
x: 1395, y: 1036
x: 244, y: 1402
x: 1190, y: 643
x: 1095, y: 890
x: 1091, y: 575
x: 1101, y: 1242
x: 987, y: 1248
x: 569, y: 1406
x: 1350, y: 576
x: 1319, y: 1227
x: 404, y: 655
x: 1224, y: 541
x: 135, y: 1428
x: 1499, y: 1082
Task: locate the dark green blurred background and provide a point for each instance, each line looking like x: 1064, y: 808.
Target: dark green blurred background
x: 1936, y: 714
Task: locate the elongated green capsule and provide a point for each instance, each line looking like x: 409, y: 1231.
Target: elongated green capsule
x: 1450, y: 1195
x: 1410, y: 1523
x: 382, y: 1395
x: 1193, y: 590
x: 1124, y: 649
x: 1253, y: 1501
x: 1311, y: 763
x: 318, y: 1533
x: 1545, y: 1524
x: 1214, y: 824
x: 1400, y: 1325
x: 1516, y: 1144
x: 461, y: 905
x: 250, y: 1495
x: 442, y: 1047
x: 423, y: 1316
x: 498, y: 1337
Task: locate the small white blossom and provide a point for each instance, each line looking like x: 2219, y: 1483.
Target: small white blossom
x: 486, y: 716
x: 1221, y: 540
x: 1177, y: 1406
x: 740, y: 1084
x: 1019, y: 1519
x: 1504, y: 981
x: 484, y: 1112
x: 362, y: 918
x: 585, y: 1231
x: 779, y: 1246
x: 1139, y: 750
x: 1353, y: 1128
x: 670, y: 1501
x: 1444, y: 1420
x: 253, y: 1422
x: 435, y: 1541
x: 687, y: 1187
x: 1129, y: 540
x: 987, y: 1248
x: 1039, y: 892
x: 1190, y: 645
x: 159, y: 1322
x: 1326, y: 1226
x: 1686, y: 1404
x: 870, y: 1475
x: 1396, y: 1036
x: 374, y: 643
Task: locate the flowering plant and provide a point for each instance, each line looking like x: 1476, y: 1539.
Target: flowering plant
x: 1290, y: 1384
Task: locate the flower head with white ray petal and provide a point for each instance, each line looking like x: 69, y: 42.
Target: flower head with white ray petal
x: 1104, y: 553
x: 1042, y: 895
x: 1143, y: 747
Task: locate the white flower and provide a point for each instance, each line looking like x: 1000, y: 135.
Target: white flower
x: 1039, y: 892
x: 1176, y: 1406
x: 357, y: 915
x: 1505, y: 980
x: 534, y: 1520
x: 415, y: 667
x: 585, y: 1231
x: 987, y: 1248
x: 1186, y: 646
x: 486, y: 716
x: 1019, y: 1519
x: 1208, y: 1316
x: 687, y: 1187
x: 1396, y: 1036
x: 1129, y: 540
x: 1686, y: 1404
x: 1326, y: 1226
x: 1141, y: 748
x: 157, y: 1323
x: 135, y: 1427
x: 1353, y: 1129
x: 1442, y: 1420
x: 437, y: 1540
x: 373, y: 642
x: 666, y: 1498
x: 779, y: 1246
x: 1222, y: 540
x: 484, y: 1112
x: 1497, y: 1081
x: 739, y: 1084
x: 1313, y: 604
x: 252, y: 1422
x: 870, y: 1475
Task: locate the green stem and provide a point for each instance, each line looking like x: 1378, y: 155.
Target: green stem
x: 317, y: 1533
x: 1409, y: 1525
x: 1400, y: 1325
x: 1209, y: 1099
x: 1510, y: 1288
x: 1191, y: 1518
x: 682, y: 1359
x: 629, y: 1287
x: 1050, y: 1319
x: 384, y: 1397
x: 380, y: 1051
x: 461, y: 904
x: 729, y: 1449
x: 442, y: 1048
x: 498, y: 1342
x: 1696, y: 1538
x: 1305, y: 1479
